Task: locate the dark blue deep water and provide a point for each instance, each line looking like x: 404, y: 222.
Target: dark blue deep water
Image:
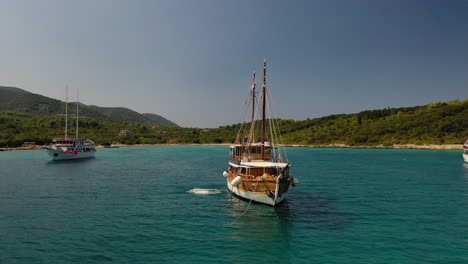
x: 134, y: 205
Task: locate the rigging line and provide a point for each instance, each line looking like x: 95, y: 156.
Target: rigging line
x: 280, y: 146
x: 77, y: 115
x: 279, y: 131
x: 66, y: 112
x: 282, y: 143
x: 247, y: 208
x: 281, y: 139
x: 274, y: 137
x: 273, y: 151
x: 252, y: 131
x: 259, y: 111
x: 250, y: 199
x: 247, y: 104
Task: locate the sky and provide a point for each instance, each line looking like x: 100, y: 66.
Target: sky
x: 192, y: 61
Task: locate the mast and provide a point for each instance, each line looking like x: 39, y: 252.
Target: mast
x: 252, y: 131
x: 77, y: 117
x: 263, y: 107
x: 66, y: 112
x: 253, y: 97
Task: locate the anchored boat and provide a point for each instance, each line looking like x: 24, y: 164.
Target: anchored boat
x: 71, y: 148
x: 465, y: 151
x: 259, y: 170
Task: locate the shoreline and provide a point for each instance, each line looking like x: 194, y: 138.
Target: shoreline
x: 396, y: 146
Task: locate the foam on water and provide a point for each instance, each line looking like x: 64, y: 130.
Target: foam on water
x: 204, y: 191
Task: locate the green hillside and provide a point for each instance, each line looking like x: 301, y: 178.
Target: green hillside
x: 17, y: 128
x: 15, y: 99
x: 157, y: 119
x: 121, y: 115
x: 437, y: 123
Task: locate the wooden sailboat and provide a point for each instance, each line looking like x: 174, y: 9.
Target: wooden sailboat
x: 258, y: 170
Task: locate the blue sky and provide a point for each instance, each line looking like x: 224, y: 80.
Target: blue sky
x: 191, y: 61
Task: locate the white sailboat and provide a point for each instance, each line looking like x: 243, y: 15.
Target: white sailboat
x: 71, y: 148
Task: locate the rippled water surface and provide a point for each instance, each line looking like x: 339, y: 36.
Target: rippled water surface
x: 169, y: 204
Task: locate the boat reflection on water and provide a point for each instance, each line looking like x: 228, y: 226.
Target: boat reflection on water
x: 465, y: 168
x: 465, y: 151
x: 259, y: 231
x: 276, y: 233
x: 305, y: 209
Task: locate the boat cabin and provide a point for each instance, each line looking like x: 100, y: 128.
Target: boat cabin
x: 63, y: 141
x: 250, y: 152
x: 69, y: 144
x: 256, y: 169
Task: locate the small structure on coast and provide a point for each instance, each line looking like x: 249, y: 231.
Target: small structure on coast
x: 126, y: 133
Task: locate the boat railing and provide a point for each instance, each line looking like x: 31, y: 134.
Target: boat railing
x: 247, y: 177
x: 63, y: 145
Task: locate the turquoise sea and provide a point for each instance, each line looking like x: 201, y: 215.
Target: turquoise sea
x: 138, y: 205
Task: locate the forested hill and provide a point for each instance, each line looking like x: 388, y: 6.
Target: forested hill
x: 16, y: 99
x: 157, y: 119
x: 437, y: 123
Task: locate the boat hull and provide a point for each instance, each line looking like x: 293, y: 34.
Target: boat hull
x: 60, y: 155
x: 254, y: 196
x: 465, y: 157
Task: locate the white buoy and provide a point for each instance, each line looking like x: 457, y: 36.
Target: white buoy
x: 237, y: 180
x: 295, y: 181
x: 225, y: 174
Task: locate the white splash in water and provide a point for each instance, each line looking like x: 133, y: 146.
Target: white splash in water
x: 204, y: 191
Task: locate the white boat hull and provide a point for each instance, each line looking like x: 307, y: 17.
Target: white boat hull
x: 254, y: 196
x: 465, y: 157
x: 60, y: 155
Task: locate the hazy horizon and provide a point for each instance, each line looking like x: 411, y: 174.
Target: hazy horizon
x: 191, y: 61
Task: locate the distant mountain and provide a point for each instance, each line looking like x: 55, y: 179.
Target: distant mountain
x: 121, y: 114
x: 16, y: 99
x: 157, y: 119
x: 13, y: 90
x: 12, y: 98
